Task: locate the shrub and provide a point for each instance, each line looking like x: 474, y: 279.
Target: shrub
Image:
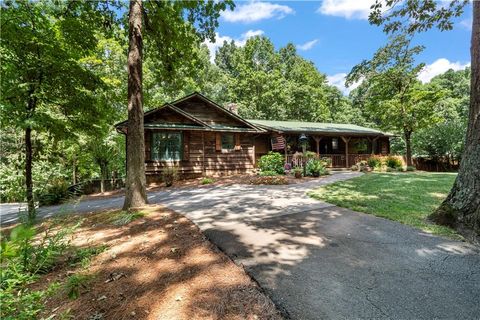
x: 55, y: 192
x: 326, y: 161
x: 273, y: 161
x: 268, y: 173
x: 207, y: 180
x: 270, y: 180
x: 388, y: 169
x: 400, y: 169
x: 315, y: 168
x: 411, y: 168
x: 310, y: 155
x: 374, y: 162
x: 169, y: 175
x: 287, y: 167
x: 393, y: 162
x: 23, y: 256
x: 298, y: 172
x: 76, y: 284
x: 354, y: 167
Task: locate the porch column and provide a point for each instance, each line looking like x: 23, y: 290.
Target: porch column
x: 346, y: 140
x: 372, y: 144
x: 317, y: 141
x: 285, y: 149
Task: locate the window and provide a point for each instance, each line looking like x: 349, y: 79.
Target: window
x: 334, y: 143
x: 167, y: 146
x: 228, y: 141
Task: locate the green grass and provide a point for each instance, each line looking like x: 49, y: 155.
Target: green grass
x: 404, y: 197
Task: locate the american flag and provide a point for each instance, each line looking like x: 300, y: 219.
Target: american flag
x: 278, y: 143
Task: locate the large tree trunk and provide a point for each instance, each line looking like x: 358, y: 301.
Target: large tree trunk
x: 461, y: 209
x: 135, y: 195
x: 408, y: 146
x: 28, y: 173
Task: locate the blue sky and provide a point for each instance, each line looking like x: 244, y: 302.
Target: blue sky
x: 336, y: 35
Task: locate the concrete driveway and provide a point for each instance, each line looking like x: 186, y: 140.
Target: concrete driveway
x: 319, y: 261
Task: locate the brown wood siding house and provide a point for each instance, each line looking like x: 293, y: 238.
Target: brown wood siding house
x: 202, y: 138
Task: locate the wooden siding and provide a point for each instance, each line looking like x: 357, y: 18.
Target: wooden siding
x: 208, y: 113
x: 203, y: 158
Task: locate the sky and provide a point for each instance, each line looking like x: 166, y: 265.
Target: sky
x: 336, y: 35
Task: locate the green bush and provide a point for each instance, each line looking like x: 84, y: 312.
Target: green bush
x: 76, y: 284
x: 207, y: 180
x: 315, y: 168
x: 169, y: 175
x: 268, y: 173
x: 388, y: 169
x: 411, y: 168
x: 393, y: 162
x: 54, y: 193
x: 310, y: 155
x: 374, y: 162
x: 326, y: 161
x: 354, y: 168
x: 23, y: 256
x: 273, y: 161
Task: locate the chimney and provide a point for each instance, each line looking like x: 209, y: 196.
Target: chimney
x: 232, y: 107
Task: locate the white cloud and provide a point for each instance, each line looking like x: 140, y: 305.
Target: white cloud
x: 439, y: 66
x: 307, y: 45
x: 219, y: 40
x: 466, y: 24
x: 350, y: 9
x: 338, y: 80
x: 256, y: 11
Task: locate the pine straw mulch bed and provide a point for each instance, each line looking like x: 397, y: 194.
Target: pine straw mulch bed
x: 218, y: 181
x: 159, y: 266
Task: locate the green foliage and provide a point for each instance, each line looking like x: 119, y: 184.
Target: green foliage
x: 374, y: 162
x: 23, y: 256
x: 354, y: 167
x: 76, y: 284
x: 83, y: 256
x: 297, y: 172
x: 169, y: 175
x: 393, y: 162
x: 273, y: 161
x: 315, y: 168
x: 125, y: 217
x: 411, y: 168
x: 207, y: 180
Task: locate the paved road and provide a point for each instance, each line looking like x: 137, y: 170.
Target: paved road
x: 318, y: 261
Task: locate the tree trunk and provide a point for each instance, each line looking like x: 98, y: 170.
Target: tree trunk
x: 461, y: 209
x: 103, y: 174
x: 135, y: 194
x: 408, y: 146
x: 74, y: 170
x: 28, y: 173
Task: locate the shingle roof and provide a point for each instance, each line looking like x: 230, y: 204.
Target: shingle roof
x: 317, y: 127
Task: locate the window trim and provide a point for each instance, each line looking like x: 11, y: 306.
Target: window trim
x: 181, y: 146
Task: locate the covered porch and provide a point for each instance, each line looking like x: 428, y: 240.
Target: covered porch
x: 343, y: 151
x: 344, y: 144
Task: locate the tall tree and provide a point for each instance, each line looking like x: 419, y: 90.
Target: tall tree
x: 45, y: 86
x: 461, y: 208
x: 393, y: 92
x: 173, y: 31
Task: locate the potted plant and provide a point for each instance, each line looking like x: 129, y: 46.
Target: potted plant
x: 169, y: 175
x: 298, y: 172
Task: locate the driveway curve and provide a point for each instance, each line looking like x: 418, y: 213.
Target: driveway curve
x: 319, y: 261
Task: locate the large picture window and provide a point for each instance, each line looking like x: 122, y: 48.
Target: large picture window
x: 167, y: 146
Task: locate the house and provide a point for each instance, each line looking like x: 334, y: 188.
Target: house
x: 201, y: 137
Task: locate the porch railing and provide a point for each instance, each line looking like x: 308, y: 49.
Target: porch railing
x: 337, y: 160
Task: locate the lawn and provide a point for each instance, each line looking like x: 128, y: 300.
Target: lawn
x: 404, y: 197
